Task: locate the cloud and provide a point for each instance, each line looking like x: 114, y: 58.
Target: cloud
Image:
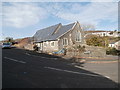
x: 104, y: 0
x: 113, y: 26
x: 60, y: 0
x: 22, y: 14
x: 25, y: 14
x: 93, y: 13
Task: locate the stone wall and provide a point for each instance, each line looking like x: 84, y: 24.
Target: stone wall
x: 29, y: 46
x: 90, y: 51
x: 94, y: 51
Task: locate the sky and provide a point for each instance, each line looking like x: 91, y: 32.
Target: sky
x: 23, y: 19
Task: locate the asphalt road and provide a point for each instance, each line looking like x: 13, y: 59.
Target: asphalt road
x: 26, y: 69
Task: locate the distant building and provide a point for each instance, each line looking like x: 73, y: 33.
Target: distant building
x: 104, y: 33
x: 59, y: 36
x: 116, y: 34
x: 115, y: 45
x: 112, y: 45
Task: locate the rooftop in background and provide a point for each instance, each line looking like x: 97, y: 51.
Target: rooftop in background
x: 97, y: 31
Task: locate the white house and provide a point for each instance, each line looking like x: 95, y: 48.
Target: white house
x: 104, y: 33
x: 112, y: 45
x: 115, y: 45
x: 116, y: 34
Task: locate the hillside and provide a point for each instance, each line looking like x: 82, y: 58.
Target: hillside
x: 23, y: 42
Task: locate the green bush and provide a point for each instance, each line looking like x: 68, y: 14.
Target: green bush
x: 112, y: 51
x: 95, y: 40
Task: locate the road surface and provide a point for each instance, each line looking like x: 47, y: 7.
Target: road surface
x: 26, y: 69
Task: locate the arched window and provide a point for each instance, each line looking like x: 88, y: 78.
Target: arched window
x: 78, y: 36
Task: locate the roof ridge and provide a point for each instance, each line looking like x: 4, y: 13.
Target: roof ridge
x: 68, y: 24
x: 58, y: 27
x: 68, y: 29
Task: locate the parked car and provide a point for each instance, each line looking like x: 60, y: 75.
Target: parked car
x: 6, y: 45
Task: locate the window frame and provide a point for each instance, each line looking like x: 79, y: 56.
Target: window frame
x: 78, y: 37
x: 45, y: 44
x: 65, y: 41
x: 51, y: 43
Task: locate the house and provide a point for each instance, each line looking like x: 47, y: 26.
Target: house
x: 99, y: 33
x: 104, y: 33
x: 57, y: 37
x: 116, y: 33
x: 112, y: 44
x: 115, y: 45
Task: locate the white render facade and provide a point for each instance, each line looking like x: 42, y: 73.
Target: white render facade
x: 115, y: 45
x: 107, y: 33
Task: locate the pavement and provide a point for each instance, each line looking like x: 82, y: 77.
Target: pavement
x: 110, y: 70
x: 27, y: 69
x: 107, y: 59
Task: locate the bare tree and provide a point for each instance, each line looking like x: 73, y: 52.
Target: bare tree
x: 87, y: 27
x: 9, y: 39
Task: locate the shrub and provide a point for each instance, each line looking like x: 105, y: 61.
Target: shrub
x: 112, y: 51
x: 95, y: 40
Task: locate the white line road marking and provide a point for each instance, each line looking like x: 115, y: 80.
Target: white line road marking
x: 15, y: 60
x: 77, y: 66
x: 40, y: 56
x: 73, y: 72
x: 107, y: 77
x: 27, y: 54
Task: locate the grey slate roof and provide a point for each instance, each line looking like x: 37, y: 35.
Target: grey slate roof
x: 41, y: 35
x: 48, y: 33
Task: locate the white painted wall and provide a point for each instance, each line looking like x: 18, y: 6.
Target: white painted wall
x: 47, y: 47
x: 115, y: 34
x: 111, y: 45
